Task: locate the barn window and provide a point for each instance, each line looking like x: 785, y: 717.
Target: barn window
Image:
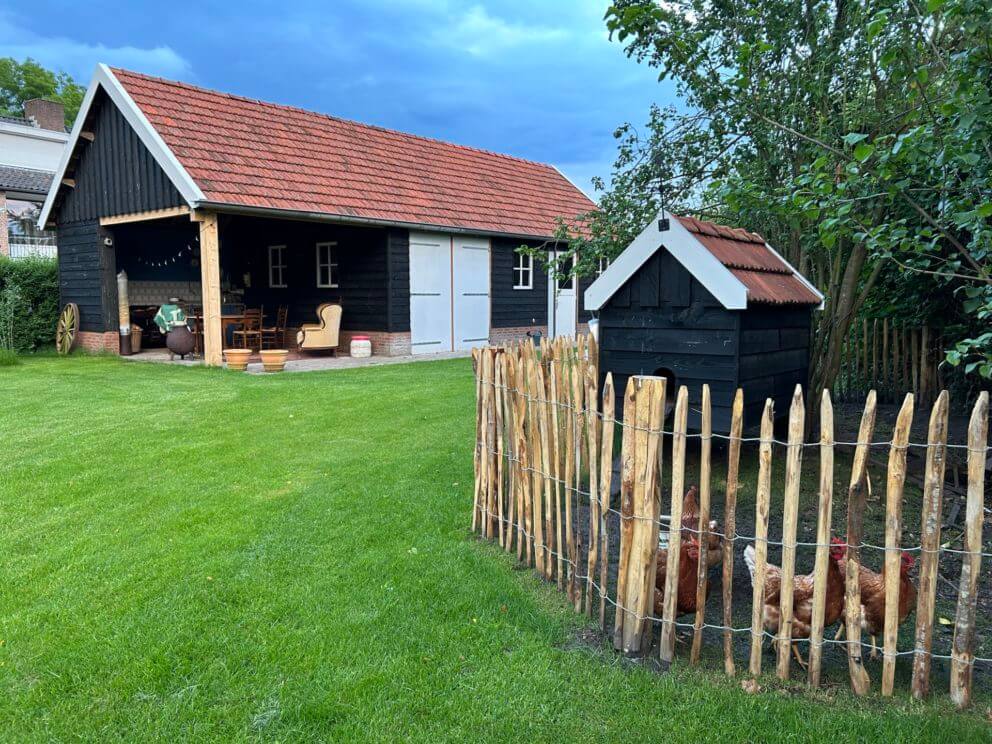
x: 327, y: 265
x: 603, y: 263
x: 277, y: 266
x: 566, y: 279
x: 523, y: 271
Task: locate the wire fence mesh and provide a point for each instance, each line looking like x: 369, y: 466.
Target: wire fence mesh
x: 549, y: 486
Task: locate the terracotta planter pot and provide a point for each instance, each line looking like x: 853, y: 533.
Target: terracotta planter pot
x: 237, y: 359
x: 274, y: 360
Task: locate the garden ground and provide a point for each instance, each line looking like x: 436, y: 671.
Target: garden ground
x: 191, y: 553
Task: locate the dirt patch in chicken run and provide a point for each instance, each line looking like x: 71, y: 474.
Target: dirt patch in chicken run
x: 835, y: 667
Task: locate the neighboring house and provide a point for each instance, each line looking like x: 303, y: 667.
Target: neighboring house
x: 699, y: 303
x: 217, y: 198
x: 30, y: 149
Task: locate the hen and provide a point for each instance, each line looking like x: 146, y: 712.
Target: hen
x: 690, y: 528
x: 873, y: 599
x: 802, y: 594
x: 685, y: 601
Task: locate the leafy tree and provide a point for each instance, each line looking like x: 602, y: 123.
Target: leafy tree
x: 855, y: 136
x: 22, y: 81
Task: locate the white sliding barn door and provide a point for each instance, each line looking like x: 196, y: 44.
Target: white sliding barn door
x: 470, y: 272
x: 562, y: 305
x: 430, y: 293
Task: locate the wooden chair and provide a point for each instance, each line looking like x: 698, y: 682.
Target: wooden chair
x: 275, y: 335
x: 251, y: 328
x: 196, y: 326
x: 323, y: 335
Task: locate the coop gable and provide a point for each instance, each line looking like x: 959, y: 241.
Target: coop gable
x: 738, y: 268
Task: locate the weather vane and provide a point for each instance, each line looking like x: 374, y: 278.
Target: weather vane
x: 663, y: 223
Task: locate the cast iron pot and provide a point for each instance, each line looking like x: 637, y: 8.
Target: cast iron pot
x: 180, y: 341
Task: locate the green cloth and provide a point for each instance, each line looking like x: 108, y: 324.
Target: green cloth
x: 168, y: 317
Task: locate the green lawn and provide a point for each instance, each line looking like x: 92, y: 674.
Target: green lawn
x: 197, y: 554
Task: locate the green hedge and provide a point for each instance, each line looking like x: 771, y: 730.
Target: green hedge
x: 37, y: 311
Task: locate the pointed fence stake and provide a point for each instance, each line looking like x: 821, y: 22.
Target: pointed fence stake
x: 823, y: 533
x: 761, y: 534
x: 963, y: 647
x: 790, y: 522
x: 730, y: 527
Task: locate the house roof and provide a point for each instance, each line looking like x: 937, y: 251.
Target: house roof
x: 228, y: 151
x: 768, y: 278
x: 736, y: 266
x: 26, y: 180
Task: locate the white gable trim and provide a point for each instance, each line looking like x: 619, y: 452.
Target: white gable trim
x: 687, y: 250
x: 104, y: 78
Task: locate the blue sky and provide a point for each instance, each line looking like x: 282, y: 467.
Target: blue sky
x: 537, y: 78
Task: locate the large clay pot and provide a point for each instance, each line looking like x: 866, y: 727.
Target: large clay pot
x: 274, y: 360
x: 237, y: 359
x: 179, y: 340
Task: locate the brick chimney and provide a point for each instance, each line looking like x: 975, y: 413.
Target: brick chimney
x: 46, y: 114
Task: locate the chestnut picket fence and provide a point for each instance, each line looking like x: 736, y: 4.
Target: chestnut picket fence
x: 543, y: 480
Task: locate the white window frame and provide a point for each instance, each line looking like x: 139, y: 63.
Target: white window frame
x: 330, y: 264
x: 604, y: 264
x: 523, y: 265
x: 280, y: 265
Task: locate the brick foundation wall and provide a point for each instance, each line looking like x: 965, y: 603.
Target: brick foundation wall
x: 92, y: 341
x: 499, y: 336
x: 383, y: 343
x: 4, y: 238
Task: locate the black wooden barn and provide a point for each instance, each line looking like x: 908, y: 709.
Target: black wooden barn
x: 703, y: 303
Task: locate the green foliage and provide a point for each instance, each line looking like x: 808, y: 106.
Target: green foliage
x: 22, y: 81
x: 9, y: 358
x: 856, y: 137
x: 29, y: 303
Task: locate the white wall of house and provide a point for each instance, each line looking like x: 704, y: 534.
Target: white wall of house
x: 24, y: 146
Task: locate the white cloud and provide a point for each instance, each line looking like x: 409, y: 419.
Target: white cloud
x: 481, y: 34
x: 79, y: 58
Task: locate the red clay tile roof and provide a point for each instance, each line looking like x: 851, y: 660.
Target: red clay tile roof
x: 767, y: 278
x: 244, y: 152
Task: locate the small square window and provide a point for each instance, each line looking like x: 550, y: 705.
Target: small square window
x: 277, y: 266
x: 327, y: 265
x: 523, y: 271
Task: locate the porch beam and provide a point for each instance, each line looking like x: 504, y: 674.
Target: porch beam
x: 151, y: 214
x: 210, y: 286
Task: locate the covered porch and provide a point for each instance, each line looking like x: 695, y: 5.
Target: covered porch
x: 220, y: 264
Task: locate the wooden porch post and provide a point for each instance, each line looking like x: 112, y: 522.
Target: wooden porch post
x: 210, y: 281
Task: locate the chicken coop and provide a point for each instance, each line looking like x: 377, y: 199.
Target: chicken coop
x: 702, y: 303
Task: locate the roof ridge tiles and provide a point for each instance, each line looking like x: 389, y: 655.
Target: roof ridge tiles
x: 331, y: 117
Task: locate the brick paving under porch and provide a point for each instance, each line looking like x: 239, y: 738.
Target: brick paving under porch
x: 297, y: 362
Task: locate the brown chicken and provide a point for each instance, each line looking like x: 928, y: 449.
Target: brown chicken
x: 685, y: 601
x: 802, y: 596
x: 873, y: 599
x: 690, y: 528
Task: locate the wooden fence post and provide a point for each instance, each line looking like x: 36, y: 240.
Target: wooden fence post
x: 886, y: 382
x: 556, y: 443
x: 543, y: 414
x: 790, y: 521
x: 823, y: 533
x: 963, y: 647
x: 534, y: 443
x: 761, y: 534
x: 511, y: 444
x: 705, y: 442
x: 730, y: 527
x: 525, y: 539
x: 856, y: 492
x: 893, y: 540
x: 623, y: 612
x: 874, y: 353
x: 578, y: 416
x: 667, y: 651
x: 477, y: 459
x: 595, y: 517
x: 605, y: 486
x: 500, y: 377
x: 933, y: 489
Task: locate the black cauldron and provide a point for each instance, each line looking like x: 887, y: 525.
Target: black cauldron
x: 179, y: 340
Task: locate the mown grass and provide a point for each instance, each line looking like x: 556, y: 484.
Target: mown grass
x: 196, y: 554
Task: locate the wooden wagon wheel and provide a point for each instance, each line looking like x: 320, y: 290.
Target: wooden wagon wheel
x: 65, y: 332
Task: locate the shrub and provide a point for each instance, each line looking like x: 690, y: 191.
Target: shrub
x: 9, y: 358
x: 29, y: 298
